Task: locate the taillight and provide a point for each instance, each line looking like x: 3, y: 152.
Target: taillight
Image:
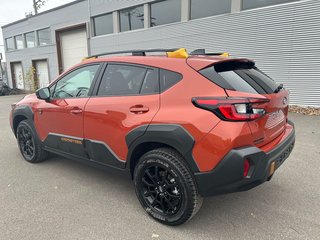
x: 246, y: 167
x: 233, y: 109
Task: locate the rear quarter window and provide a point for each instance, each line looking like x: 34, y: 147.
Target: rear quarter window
x: 169, y: 79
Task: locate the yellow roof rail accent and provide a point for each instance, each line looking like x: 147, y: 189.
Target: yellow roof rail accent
x: 180, y: 53
x: 225, y: 54
x: 88, y: 58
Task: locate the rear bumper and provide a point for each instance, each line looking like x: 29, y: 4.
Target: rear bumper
x: 228, y: 177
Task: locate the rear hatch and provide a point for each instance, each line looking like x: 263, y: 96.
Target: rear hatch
x: 242, y: 79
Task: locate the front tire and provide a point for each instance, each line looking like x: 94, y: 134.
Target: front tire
x: 165, y: 187
x: 29, y: 143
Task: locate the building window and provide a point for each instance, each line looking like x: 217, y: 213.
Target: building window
x: 19, y: 41
x: 10, y: 44
x: 165, y: 12
x: 103, y: 24
x: 131, y: 18
x: 206, y: 8
x: 249, y: 4
x: 30, y: 40
x: 44, y: 37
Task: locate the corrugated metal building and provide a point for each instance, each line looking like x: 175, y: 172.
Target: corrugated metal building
x: 282, y: 36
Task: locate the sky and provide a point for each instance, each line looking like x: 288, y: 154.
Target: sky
x: 13, y: 10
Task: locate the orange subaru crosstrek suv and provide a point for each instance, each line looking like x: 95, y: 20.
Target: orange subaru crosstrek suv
x: 183, y: 126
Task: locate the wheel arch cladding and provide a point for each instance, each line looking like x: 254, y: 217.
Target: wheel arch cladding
x: 21, y: 113
x: 145, y: 138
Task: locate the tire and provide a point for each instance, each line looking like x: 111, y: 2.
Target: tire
x: 166, y: 188
x: 29, y: 143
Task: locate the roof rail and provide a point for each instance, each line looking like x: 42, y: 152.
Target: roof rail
x: 135, y: 52
x: 171, y: 52
x: 202, y: 51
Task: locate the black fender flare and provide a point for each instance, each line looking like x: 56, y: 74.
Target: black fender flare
x: 172, y: 135
x: 24, y: 111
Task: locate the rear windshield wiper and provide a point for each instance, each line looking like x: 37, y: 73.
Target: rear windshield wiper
x: 278, y: 88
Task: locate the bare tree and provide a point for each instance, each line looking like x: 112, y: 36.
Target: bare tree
x: 37, y: 4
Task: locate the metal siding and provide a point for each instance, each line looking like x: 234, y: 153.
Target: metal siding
x: 284, y: 40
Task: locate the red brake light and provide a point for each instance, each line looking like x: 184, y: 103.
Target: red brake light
x: 229, y: 112
x: 246, y: 167
x: 207, y: 101
x: 233, y: 109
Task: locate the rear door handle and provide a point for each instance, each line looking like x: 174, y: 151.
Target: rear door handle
x: 139, y: 109
x: 76, y: 111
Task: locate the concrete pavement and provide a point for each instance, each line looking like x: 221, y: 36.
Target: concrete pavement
x: 62, y: 199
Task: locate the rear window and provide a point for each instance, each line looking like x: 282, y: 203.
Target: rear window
x: 240, y: 76
x: 265, y: 82
x: 237, y: 82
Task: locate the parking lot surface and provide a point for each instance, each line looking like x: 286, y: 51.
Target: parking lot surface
x: 63, y: 199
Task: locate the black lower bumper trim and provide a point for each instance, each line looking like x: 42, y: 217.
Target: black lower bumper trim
x: 228, y: 177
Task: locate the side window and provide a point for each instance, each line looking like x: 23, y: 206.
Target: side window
x: 168, y: 79
x: 122, y: 80
x: 151, y: 82
x: 75, y: 84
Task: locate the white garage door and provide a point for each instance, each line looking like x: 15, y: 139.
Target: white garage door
x: 18, y: 75
x: 74, y: 47
x: 42, y: 73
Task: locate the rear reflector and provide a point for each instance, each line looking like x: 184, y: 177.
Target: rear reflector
x: 233, y: 109
x: 246, y: 167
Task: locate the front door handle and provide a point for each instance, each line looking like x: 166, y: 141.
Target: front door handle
x: 139, y: 109
x: 76, y: 111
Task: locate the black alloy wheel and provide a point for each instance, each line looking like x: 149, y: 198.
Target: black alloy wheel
x: 161, y: 191
x: 166, y: 187
x: 29, y: 143
x: 26, y: 142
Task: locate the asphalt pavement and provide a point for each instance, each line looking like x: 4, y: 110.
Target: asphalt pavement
x: 63, y: 199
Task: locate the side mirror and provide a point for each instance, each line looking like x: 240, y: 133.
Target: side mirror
x: 43, y: 93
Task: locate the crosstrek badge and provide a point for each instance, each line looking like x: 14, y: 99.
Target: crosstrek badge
x: 70, y: 140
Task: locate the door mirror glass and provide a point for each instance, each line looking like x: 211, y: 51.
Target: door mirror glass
x: 43, y: 93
